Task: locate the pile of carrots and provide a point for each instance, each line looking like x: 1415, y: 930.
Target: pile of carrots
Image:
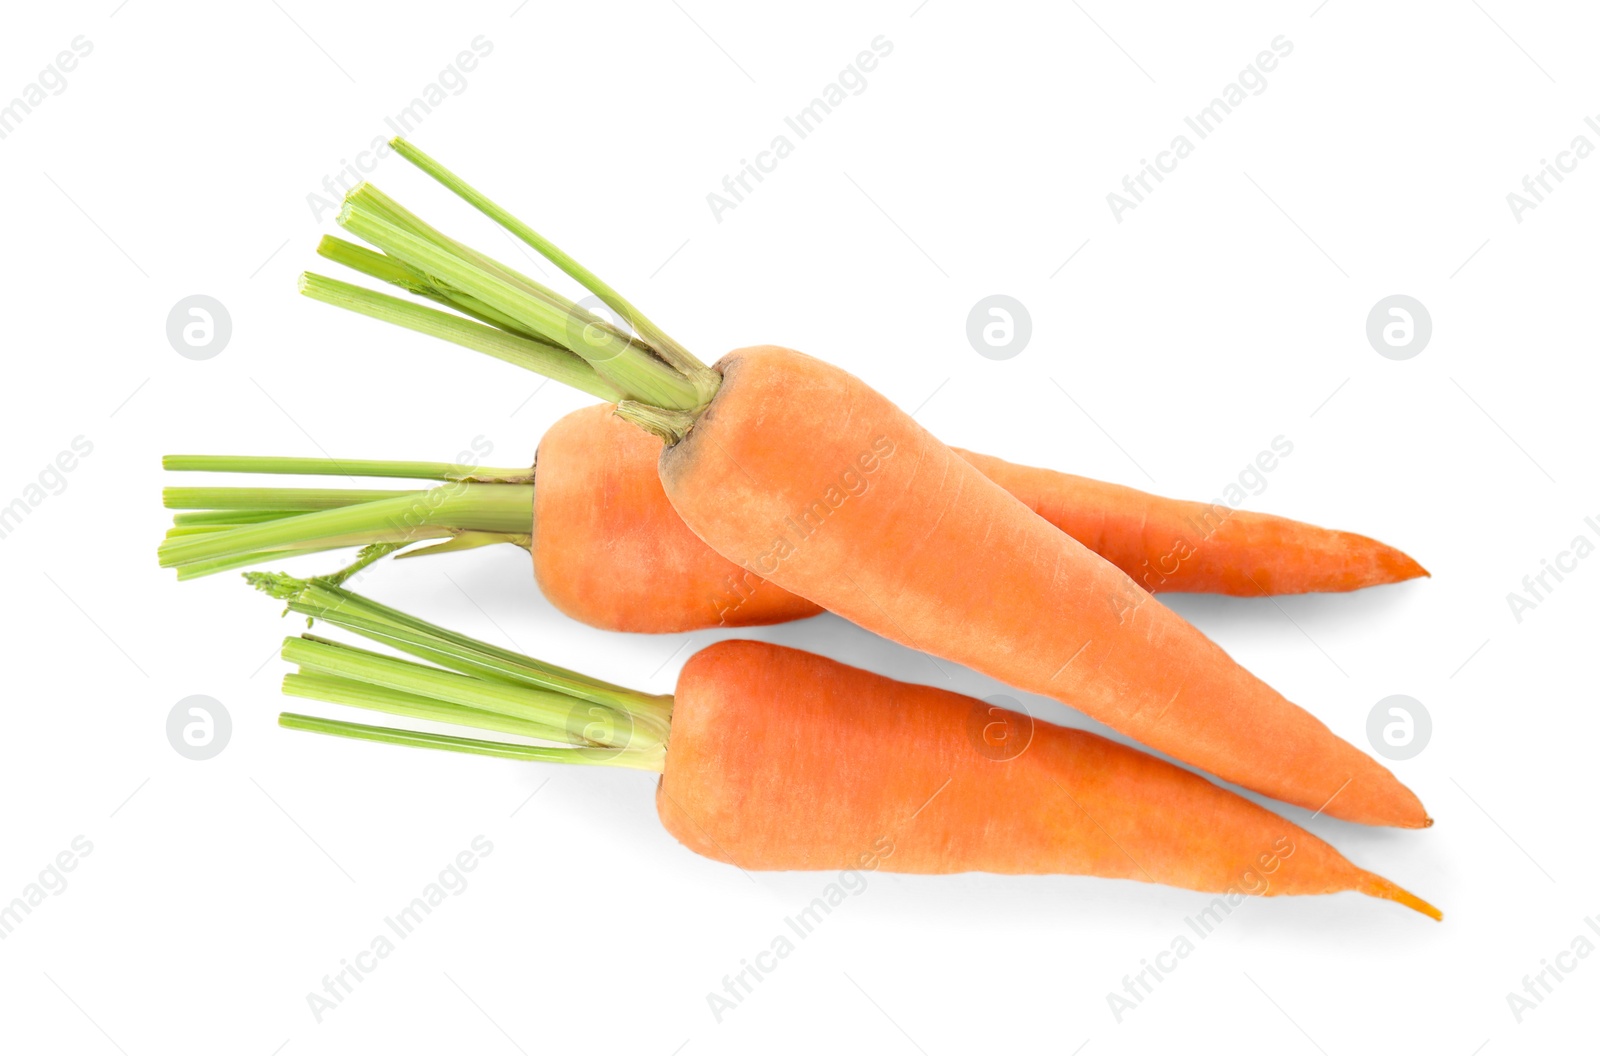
x: 772, y: 486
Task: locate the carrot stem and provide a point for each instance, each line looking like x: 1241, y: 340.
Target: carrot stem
x: 557, y: 364
x: 375, y: 200
x: 641, y: 375
x: 463, y: 681
x: 470, y: 745
x: 228, y: 518
x: 509, y: 315
x: 211, y: 566
x: 704, y: 379
x: 339, y: 467
x: 356, y: 694
x: 670, y: 426
x: 405, y: 516
x: 323, y: 599
x: 539, y: 708
x: 388, y: 269
x: 294, y: 500
x: 245, y: 526
x: 468, y: 539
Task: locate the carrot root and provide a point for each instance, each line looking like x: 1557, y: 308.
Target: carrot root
x: 1378, y: 887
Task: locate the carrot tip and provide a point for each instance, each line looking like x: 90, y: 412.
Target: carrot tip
x: 1402, y: 566
x: 1378, y: 887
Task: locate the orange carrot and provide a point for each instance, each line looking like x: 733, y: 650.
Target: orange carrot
x: 772, y: 758
x: 610, y: 551
x: 934, y: 555
x: 801, y: 474
x: 1170, y: 545
x: 869, y: 762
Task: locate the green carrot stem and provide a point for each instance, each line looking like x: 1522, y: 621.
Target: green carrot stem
x: 469, y: 745
x: 469, y: 540
x: 670, y: 426
x: 197, y: 569
x: 180, y: 531
x: 385, y: 268
x: 404, y: 517
x: 371, y: 198
x: 634, y: 370
x: 547, y: 360
x: 297, y: 500
x: 522, y: 321
x: 557, y: 716
x: 548, y: 322
x: 339, y: 467
x: 475, y: 684
x: 370, y: 262
x: 550, y: 711
x: 318, y: 599
x: 352, y: 693
x: 368, y: 554
x: 416, y: 644
x: 212, y: 565
x: 228, y: 518
x: 703, y: 378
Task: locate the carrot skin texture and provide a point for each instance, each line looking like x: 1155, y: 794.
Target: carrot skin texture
x: 610, y: 551
x: 934, y: 555
x: 1171, y: 545
x: 780, y: 759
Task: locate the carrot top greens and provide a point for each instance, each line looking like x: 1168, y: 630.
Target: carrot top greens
x: 227, y: 528
x: 656, y: 383
x: 463, y: 682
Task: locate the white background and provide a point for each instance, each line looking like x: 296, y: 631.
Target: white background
x: 1227, y: 309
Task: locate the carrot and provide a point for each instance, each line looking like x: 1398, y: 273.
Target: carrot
x: 772, y: 758
x: 760, y: 458
x: 609, y: 550
x: 1170, y: 545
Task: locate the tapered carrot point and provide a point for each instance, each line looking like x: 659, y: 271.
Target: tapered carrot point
x: 1399, y: 566
x: 1378, y: 887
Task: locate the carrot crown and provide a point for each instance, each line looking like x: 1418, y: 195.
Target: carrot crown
x: 561, y: 716
x: 655, y: 382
